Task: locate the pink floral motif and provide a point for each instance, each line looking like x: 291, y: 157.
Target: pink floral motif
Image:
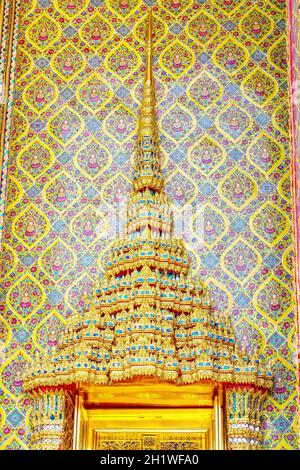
x: 62, y: 192
x: 175, y: 6
x: 47, y: 334
x: 8, y: 262
x: 206, y: 155
x: 203, y: 28
x: 96, y: 31
x: 26, y: 296
x: 12, y: 375
x: 178, y: 123
x: 274, y: 299
x: 265, y: 153
x: 94, y: 93
x: 213, y: 225
x: 238, y: 188
x: 279, y: 54
x: 19, y: 125
x: 35, y: 159
x: 230, y: 56
x: 256, y: 25
x: 205, y: 90
x: 89, y: 226
x: 234, y: 121
x: 249, y: 338
x: 123, y: 7
x: 77, y: 292
x: 68, y: 62
x: 42, y: 32
x: 241, y: 260
x: 228, y: 5
x: 180, y: 189
x: 282, y: 117
x: 123, y: 62
x: 31, y: 226
x: 57, y: 261
x: 120, y: 124
x: 259, y: 87
x: 13, y: 192
x: 40, y: 94
x: 92, y: 159
x: 71, y: 7
x: 177, y: 59
x: 65, y: 125
x: 23, y: 63
x: 270, y: 223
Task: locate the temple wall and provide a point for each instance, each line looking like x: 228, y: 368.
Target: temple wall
x: 223, y: 88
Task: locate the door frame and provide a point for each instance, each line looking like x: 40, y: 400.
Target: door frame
x: 161, y: 407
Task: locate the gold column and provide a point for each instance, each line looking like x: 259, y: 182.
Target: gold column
x: 80, y: 424
x: 243, y: 417
x: 52, y: 421
x: 76, y: 423
x: 218, y: 420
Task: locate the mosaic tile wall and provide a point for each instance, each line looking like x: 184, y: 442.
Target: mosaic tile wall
x: 221, y: 70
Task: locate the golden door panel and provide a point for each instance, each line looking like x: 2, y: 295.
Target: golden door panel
x: 150, y: 440
x: 145, y: 414
x: 145, y: 429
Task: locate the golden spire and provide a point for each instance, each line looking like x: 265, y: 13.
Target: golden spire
x: 147, y: 122
x: 149, y: 70
x: 147, y: 167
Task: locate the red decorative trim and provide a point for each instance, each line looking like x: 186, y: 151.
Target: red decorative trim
x: 292, y: 33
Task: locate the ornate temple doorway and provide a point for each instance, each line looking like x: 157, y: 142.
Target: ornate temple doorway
x: 145, y: 415
x: 147, y: 318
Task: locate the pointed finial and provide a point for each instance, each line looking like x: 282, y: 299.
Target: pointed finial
x: 149, y: 70
x: 148, y: 169
x: 147, y: 125
x: 149, y: 32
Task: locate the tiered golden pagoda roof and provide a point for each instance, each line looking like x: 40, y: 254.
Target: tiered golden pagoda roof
x: 147, y: 315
